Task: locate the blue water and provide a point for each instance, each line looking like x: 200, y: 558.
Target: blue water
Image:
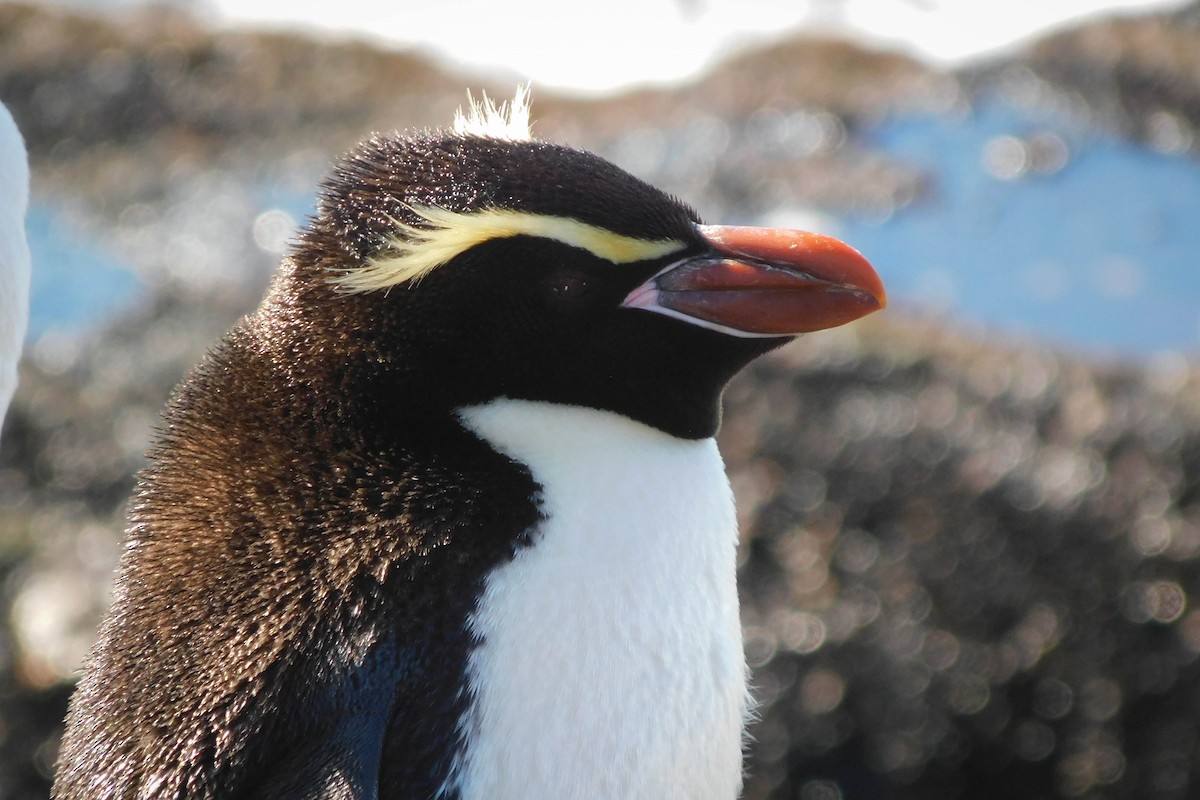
x: 74, y: 283
x: 1101, y: 255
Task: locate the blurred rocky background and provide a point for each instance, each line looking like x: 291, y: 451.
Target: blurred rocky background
x: 969, y: 559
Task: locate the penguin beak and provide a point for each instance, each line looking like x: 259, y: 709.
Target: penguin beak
x: 764, y: 282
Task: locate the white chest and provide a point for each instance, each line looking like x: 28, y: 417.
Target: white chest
x: 611, y: 662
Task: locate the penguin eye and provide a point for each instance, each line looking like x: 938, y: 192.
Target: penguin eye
x: 569, y: 285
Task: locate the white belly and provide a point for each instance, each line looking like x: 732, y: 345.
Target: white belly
x: 610, y: 663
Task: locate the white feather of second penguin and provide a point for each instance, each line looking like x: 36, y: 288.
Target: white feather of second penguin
x: 14, y: 254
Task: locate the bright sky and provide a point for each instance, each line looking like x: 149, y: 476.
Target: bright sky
x: 598, y: 45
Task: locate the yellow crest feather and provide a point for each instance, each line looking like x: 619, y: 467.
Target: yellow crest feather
x: 413, y: 252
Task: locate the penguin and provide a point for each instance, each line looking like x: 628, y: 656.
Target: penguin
x: 14, y: 254
x: 444, y: 517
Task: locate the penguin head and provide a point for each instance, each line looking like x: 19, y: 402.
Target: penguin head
x: 447, y: 269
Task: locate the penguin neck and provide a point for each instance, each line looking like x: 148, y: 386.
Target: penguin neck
x: 609, y: 656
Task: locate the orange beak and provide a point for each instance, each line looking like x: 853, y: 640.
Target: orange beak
x: 765, y: 282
